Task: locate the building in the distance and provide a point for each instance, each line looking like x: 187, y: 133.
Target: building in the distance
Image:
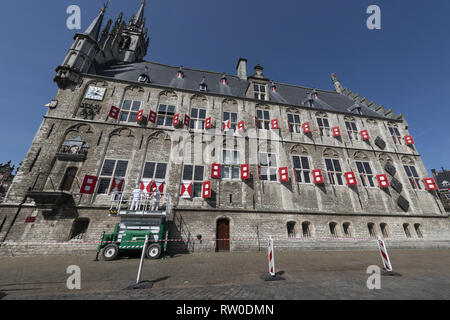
x: 443, y: 181
x: 243, y: 156
x: 6, y: 178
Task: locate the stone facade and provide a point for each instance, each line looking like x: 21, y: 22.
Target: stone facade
x: 6, y: 178
x: 442, y: 179
x: 255, y: 208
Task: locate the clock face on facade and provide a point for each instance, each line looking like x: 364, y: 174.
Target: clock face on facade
x: 95, y: 93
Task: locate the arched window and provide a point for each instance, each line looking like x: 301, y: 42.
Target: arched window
x: 406, y: 229
x: 371, y: 228
x: 418, y: 228
x: 291, y: 229
x: 79, y: 229
x: 306, y: 229
x: 383, y: 227
x: 333, y: 229
x: 346, y: 227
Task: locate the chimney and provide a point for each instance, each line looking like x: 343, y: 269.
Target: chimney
x: 242, y: 68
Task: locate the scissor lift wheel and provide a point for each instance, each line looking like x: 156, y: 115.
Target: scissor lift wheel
x: 110, y: 252
x: 153, y: 251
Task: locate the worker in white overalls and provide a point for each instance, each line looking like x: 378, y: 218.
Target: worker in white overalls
x: 156, y: 199
x: 136, y: 199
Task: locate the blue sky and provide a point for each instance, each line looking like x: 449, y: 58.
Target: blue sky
x: 405, y: 66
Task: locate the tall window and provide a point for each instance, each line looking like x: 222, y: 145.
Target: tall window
x: 395, y: 134
x: 352, y: 130
x: 231, y: 165
x: 154, y: 170
x: 324, y: 127
x: 263, y: 119
x: 406, y: 229
x: 196, y: 175
x: 371, y: 228
x: 165, y: 115
x: 413, y: 176
x: 384, y: 231
x: 334, y: 171
x: 268, y: 164
x: 232, y: 117
x: 198, y: 117
x: 291, y: 229
x: 294, y: 123
x: 259, y: 91
x: 111, y: 168
x: 302, y: 169
x: 306, y: 229
x: 365, y: 173
x: 129, y: 110
x: 347, y: 231
x: 333, y: 229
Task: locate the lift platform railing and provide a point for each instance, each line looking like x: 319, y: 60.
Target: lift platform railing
x: 126, y: 202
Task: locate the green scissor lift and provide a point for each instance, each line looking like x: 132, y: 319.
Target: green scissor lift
x: 129, y: 234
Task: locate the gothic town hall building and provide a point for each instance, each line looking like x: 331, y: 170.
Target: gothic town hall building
x: 243, y: 157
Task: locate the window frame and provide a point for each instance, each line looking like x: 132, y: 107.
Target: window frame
x: 166, y: 115
x: 197, y: 184
x: 231, y: 166
x: 229, y: 117
x: 130, y: 112
x: 155, y: 170
x: 263, y: 123
x: 105, y: 177
x: 334, y: 175
x: 294, y: 125
x: 197, y: 122
x: 269, y: 167
x: 259, y: 94
x: 352, y: 130
x: 365, y: 176
x: 395, y: 135
x: 301, y: 172
x: 322, y: 127
x: 413, y: 178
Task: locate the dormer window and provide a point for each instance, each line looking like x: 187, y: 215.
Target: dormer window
x: 273, y: 87
x: 259, y: 91
x: 203, y: 85
x: 224, y: 80
x: 144, y: 78
x: 180, y: 73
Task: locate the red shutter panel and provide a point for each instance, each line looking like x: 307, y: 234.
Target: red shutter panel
x: 430, y: 183
x: 117, y: 185
x: 409, y: 140
x: 215, y: 171
x: 89, y: 184
x: 259, y: 172
x: 186, y: 190
x: 208, y: 123
x: 241, y: 126
x: 187, y: 121
x: 317, y: 176
x: 336, y: 132
x: 152, y: 116
x: 284, y: 175
x: 383, y: 181
x: 114, y: 112
x: 275, y: 124
x: 351, y: 179
x: 365, y: 135
x: 140, y: 119
x: 226, y: 126
x: 206, y: 189
x: 176, y: 120
x: 245, y: 172
x: 306, y: 127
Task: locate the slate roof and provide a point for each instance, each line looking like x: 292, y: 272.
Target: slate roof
x: 166, y: 76
x: 440, y: 177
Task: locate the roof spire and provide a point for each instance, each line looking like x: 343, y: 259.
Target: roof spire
x: 94, y: 29
x: 140, y: 14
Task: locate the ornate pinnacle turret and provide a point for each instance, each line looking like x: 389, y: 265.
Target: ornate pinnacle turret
x: 337, y: 85
x: 140, y: 14
x: 94, y: 29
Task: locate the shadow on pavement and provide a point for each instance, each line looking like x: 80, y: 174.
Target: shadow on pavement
x: 2, y: 295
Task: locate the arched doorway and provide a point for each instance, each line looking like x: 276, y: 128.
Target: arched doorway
x: 223, y: 235
x: 69, y: 178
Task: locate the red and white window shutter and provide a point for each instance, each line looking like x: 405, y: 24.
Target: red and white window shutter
x: 245, y: 172
x: 365, y: 135
x: 176, y: 120
x: 284, y: 174
x: 114, y: 112
x: 226, y: 126
x: 186, y: 190
x: 206, y: 189
x: 89, y: 184
x: 275, y: 124
x: 317, y: 176
x: 215, y: 171
x: 383, y: 181
x: 306, y: 127
x: 187, y: 120
x: 336, y: 131
x: 430, y: 183
x: 409, y: 140
x: 146, y: 185
x: 117, y: 185
x: 351, y: 179
x: 140, y: 117
x: 241, y: 126
x: 208, y: 123
x: 152, y: 116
